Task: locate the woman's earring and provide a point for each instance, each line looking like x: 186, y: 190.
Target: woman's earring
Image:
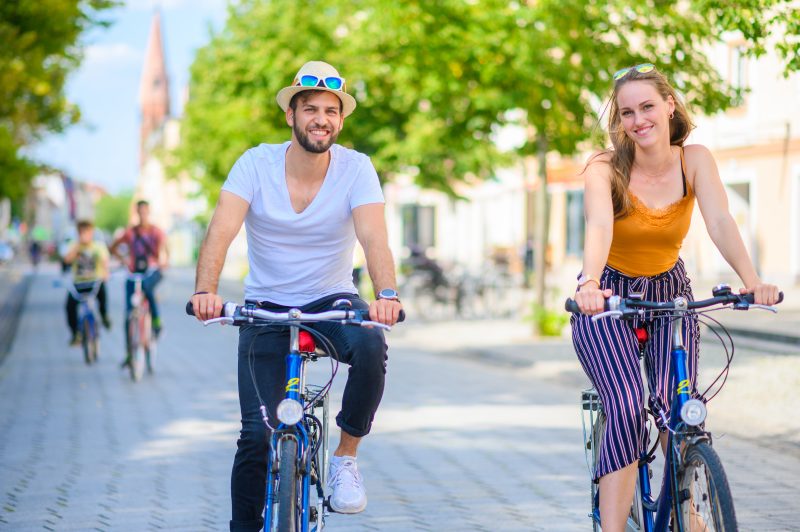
x: 672, y: 115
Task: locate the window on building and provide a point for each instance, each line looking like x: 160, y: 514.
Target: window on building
x: 737, y: 73
x: 575, y: 222
x: 419, y: 223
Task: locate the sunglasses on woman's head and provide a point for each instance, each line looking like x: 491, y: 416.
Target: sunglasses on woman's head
x: 644, y: 68
x: 331, y: 82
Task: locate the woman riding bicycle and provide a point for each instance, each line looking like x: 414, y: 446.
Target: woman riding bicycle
x: 639, y: 197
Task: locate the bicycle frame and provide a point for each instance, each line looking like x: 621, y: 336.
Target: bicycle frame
x: 310, y: 433
x: 295, y: 384
x: 657, y: 512
x: 685, y: 436
x: 86, y: 305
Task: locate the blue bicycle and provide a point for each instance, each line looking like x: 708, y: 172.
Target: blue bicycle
x: 86, y: 295
x: 695, y: 495
x: 298, y: 452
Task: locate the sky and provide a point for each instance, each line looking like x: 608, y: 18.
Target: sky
x: 104, y: 148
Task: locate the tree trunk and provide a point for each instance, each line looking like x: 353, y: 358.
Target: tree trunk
x: 542, y: 219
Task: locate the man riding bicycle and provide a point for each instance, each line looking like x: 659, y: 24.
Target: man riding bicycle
x: 304, y: 203
x: 147, y: 253
x: 89, y: 262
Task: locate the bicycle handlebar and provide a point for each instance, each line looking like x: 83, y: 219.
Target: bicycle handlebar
x: 242, y: 314
x: 631, y: 306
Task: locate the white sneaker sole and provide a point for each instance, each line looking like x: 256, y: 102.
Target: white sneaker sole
x: 348, y: 510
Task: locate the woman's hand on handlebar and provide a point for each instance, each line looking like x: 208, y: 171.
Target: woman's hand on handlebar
x: 764, y: 294
x: 591, y: 299
x: 207, y: 306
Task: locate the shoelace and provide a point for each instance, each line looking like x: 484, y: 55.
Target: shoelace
x: 339, y: 478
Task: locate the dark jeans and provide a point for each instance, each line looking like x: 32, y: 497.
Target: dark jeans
x: 363, y: 349
x: 148, y: 287
x: 72, y: 304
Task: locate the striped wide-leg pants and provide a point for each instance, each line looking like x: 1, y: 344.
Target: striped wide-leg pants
x: 609, y: 353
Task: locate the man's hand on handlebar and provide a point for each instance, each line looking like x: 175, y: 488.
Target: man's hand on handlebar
x: 385, y: 311
x: 207, y: 306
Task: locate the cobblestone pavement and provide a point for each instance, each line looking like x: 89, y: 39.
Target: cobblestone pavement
x: 466, y: 438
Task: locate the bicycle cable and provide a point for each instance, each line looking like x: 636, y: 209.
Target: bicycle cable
x: 327, y: 347
x: 702, y: 318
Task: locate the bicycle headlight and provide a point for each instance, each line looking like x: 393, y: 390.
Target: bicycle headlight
x: 693, y: 412
x: 290, y: 412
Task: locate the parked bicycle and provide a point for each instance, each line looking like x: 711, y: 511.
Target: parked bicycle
x: 140, y: 342
x: 298, y: 453
x: 86, y: 296
x: 694, y: 494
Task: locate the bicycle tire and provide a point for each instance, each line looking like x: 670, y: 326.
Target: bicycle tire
x: 135, y: 349
x: 288, y: 483
x: 86, y: 342
x: 635, y: 519
x: 704, y: 490
x: 147, y: 342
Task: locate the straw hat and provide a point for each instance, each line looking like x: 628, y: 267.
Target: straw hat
x: 325, y: 74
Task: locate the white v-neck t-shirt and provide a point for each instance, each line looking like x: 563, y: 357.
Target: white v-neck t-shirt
x: 296, y: 258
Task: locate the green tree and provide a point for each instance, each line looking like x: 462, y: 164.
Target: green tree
x: 111, y: 212
x: 435, y: 80
x: 40, y: 48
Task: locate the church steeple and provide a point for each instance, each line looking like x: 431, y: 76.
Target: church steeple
x: 154, y: 89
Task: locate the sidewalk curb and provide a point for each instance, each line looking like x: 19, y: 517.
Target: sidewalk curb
x: 788, y: 339
x: 12, y: 301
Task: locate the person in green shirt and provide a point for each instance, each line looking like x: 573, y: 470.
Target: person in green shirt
x: 88, y: 260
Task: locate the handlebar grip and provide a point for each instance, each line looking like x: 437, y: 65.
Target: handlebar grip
x: 750, y: 298
x: 571, y: 306
x: 189, y: 308
x: 402, y: 316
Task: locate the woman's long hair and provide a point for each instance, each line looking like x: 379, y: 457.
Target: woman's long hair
x: 622, y: 155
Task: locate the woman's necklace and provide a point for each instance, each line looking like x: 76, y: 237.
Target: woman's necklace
x: 658, y: 174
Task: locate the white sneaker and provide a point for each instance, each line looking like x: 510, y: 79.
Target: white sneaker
x: 349, y: 496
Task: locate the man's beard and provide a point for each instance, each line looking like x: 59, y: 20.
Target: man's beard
x: 309, y: 145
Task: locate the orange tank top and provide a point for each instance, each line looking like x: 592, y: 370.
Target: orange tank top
x: 647, y: 241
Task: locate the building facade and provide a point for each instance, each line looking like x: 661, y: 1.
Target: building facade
x: 757, y: 148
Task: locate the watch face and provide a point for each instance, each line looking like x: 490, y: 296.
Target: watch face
x: 387, y: 293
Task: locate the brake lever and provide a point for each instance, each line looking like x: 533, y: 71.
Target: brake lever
x: 224, y: 320
x: 765, y: 307
x: 370, y: 324
x: 616, y: 314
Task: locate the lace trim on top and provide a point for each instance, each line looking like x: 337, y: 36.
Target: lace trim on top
x: 660, y: 217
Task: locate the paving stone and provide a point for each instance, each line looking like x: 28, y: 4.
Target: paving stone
x: 460, y: 442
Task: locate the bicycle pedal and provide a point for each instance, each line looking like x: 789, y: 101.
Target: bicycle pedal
x: 326, y: 506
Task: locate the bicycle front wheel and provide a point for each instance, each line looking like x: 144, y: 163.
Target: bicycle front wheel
x: 89, y: 343
x: 288, y: 486
x: 135, y: 349
x: 705, y: 496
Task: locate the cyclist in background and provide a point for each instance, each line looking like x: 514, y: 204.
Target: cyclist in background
x: 147, y: 252
x: 305, y: 202
x: 639, y: 198
x: 88, y: 260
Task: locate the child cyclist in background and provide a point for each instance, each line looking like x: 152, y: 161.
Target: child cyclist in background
x: 88, y: 261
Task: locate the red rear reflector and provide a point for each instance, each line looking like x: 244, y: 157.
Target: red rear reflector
x: 641, y: 334
x: 307, y: 344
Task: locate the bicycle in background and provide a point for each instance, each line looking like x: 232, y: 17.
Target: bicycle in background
x: 298, y: 455
x: 86, y: 295
x: 694, y: 494
x: 140, y: 342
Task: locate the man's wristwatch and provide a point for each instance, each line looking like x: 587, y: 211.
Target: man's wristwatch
x: 389, y: 293
x: 583, y: 279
